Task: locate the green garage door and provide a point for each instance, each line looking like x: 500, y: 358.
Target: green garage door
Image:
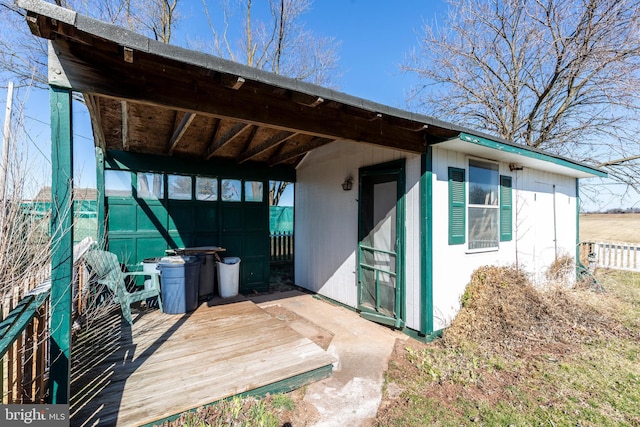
x: 148, y: 213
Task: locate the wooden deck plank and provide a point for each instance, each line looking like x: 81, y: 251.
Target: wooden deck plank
x: 166, y: 364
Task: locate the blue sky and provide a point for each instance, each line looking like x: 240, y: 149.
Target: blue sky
x: 374, y: 35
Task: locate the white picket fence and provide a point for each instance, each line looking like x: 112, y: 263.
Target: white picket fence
x: 614, y: 255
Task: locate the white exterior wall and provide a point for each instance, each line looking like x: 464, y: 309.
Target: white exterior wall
x: 326, y: 222
x: 532, y: 246
x: 326, y: 226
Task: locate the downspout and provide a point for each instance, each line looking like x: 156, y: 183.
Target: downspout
x: 578, y: 229
x: 555, y: 225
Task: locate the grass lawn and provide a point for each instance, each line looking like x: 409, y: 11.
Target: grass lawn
x: 561, y: 358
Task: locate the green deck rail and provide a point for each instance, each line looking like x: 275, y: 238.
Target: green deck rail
x: 26, y: 362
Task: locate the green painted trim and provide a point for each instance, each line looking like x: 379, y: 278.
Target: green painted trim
x: 418, y: 336
x: 120, y: 160
x: 283, y: 386
x: 426, y: 242
x: 18, y: 319
x: 382, y: 319
x: 401, y: 221
x: 62, y: 246
x: 527, y: 152
x: 101, y: 211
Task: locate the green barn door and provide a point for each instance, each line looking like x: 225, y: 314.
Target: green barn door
x: 245, y: 230
x: 381, y: 244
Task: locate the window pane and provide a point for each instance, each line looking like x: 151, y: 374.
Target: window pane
x: 207, y: 189
x: 483, y: 183
x: 117, y: 183
x: 483, y: 228
x: 150, y: 185
x: 253, y: 191
x: 231, y: 190
x: 179, y: 187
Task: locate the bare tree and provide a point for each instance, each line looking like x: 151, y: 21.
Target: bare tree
x: 276, y: 190
x: 23, y: 57
x: 559, y: 75
x: 25, y: 237
x: 279, y: 44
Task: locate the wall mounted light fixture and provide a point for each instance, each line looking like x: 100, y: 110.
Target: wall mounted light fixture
x: 347, y: 184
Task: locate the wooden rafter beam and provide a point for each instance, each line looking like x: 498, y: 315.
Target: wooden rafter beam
x: 271, y: 142
x: 302, y: 149
x: 93, y: 105
x: 306, y: 100
x: 214, y: 135
x: 225, y: 139
x: 125, y: 125
x: 232, y: 82
x: 252, y: 135
x: 180, y: 130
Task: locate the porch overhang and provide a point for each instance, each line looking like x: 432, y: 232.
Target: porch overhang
x: 152, y: 98
x: 518, y: 156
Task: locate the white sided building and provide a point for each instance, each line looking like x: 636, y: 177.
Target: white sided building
x: 401, y: 244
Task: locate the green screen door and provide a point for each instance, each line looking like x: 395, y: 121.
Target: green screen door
x: 380, y: 287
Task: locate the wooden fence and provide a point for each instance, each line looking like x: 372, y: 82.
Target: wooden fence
x: 281, y: 247
x: 617, y: 256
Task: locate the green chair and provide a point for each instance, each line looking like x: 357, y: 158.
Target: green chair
x: 107, y: 269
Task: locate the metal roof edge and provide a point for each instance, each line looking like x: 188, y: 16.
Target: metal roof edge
x: 531, y: 153
x: 53, y: 11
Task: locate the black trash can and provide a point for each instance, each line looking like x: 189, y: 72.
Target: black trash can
x: 207, y: 276
x: 179, y: 288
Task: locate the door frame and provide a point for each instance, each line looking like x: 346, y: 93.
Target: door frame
x: 398, y: 168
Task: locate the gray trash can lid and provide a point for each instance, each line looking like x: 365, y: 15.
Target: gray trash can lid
x: 178, y: 259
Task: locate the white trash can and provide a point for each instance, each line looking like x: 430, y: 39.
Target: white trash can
x: 229, y: 276
x: 149, y: 265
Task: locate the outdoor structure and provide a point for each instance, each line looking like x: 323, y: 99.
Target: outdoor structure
x: 393, y: 210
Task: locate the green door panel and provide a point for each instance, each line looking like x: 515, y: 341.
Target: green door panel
x: 206, y: 217
x: 150, y: 247
x: 253, y: 277
x: 151, y: 215
x: 182, y: 217
x: 122, y: 215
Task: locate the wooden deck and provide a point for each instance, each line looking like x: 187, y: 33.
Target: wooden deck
x: 166, y: 364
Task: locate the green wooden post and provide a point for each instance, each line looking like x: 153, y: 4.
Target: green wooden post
x: 62, y: 246
x: 426, y: 242
x: 100, y: 194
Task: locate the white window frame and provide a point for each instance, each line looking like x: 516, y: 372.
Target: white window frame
x: 495, y: 205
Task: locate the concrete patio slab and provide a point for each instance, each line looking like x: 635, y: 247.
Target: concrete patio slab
x: 352, y: 394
